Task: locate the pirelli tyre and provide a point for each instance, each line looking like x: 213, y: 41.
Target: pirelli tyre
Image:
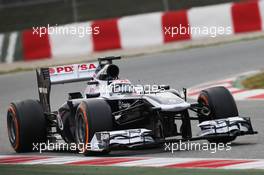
x: 93, y: 115
x: 26, y: 125
x: 221, y: 105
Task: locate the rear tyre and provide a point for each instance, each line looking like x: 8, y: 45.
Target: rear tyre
x: 221, y: 105
x: 26, y: 125
x: 92, y: 116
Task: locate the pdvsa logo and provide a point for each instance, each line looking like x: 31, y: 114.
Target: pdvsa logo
x: 72, y: 68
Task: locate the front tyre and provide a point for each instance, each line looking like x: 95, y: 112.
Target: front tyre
x: 221, y: 105
x: 26, y: 125
x: 93, y: 115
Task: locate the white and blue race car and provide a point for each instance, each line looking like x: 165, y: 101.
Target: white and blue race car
x: 113, y: 113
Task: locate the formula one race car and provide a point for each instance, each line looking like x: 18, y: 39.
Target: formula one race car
x: 112, y: 113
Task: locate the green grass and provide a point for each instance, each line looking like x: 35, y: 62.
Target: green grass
x: 254, y: 82
x: 95, y: 170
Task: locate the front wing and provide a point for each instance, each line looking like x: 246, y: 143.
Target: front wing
x: 230, y: 127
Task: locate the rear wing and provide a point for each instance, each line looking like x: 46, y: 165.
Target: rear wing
x: 60, y: 75
x: 67, y: 74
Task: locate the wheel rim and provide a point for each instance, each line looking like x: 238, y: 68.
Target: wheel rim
x: 12, y: 128
x: 206, y: 113
x: 81, y: 129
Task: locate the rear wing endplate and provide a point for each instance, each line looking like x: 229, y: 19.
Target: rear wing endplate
x: 60, y: 75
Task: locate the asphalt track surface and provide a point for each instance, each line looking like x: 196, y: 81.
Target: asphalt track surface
x: 179, y: 69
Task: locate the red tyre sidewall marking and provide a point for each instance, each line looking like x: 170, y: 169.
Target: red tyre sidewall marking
x: 11, y: 109
x: 204, y: 99
x: 82, y: 109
